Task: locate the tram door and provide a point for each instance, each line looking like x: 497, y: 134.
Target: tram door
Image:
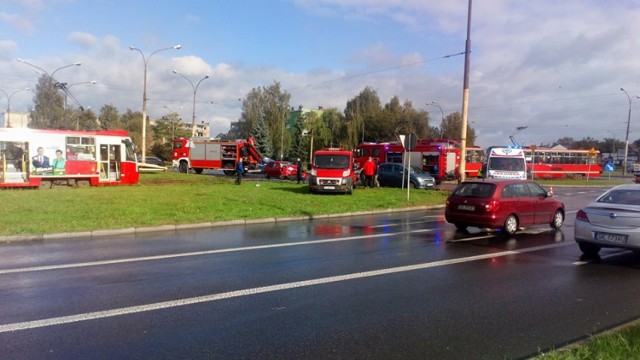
x: 14, y: 164
x: 110, y: 162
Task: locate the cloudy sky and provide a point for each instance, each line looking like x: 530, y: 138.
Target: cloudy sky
x: 554, y: 66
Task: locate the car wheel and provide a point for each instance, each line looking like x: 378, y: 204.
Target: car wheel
x: 589, y: 249
x: 266, y: 175
x: 350, y: 191
x: 415, y: 185
x: 461, y: 227
x: 198, y: 171
x: 558, y: 220
x: 510, y: 225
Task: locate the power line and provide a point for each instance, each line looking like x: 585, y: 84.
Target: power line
x: 373, y: 72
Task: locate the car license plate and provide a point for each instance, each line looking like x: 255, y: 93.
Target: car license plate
x: 466, y: 207
x: 617, y: 238
x: 330, y: 187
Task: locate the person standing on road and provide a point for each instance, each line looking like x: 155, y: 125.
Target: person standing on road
x: 239, y: 171
x: 369, y: 169
x: 299, y: 170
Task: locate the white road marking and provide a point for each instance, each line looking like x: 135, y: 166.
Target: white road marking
x: 208, y: 252
x: 258, y: 290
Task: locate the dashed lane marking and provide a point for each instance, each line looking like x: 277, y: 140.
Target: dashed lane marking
x: 257, y: 290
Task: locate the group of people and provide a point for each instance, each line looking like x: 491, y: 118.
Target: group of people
x: 41, y: 161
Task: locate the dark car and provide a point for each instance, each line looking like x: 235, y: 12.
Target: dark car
x: 503, y: 204
x: 153, y: 160
x: 392, y: 174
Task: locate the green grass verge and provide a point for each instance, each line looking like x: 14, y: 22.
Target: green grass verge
x: 622, y: 344
x: 173, y: 198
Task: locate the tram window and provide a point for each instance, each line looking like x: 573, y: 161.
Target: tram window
x: 80, y: 148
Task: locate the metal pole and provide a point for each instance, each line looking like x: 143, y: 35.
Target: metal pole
x: 465, y: 98
x: 145, y: 60
x: 9, y: 96
x: 626, y: 141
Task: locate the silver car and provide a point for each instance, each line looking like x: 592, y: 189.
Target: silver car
x: 612, y: 220
x: 391, y: 174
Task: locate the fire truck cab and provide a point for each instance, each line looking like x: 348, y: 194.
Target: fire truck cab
x: 332, y: 171
x: 205, y: 153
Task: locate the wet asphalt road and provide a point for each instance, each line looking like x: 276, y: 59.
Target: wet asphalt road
x: 402, y: 285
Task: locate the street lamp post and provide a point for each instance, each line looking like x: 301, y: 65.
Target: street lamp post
x: 9, y: 96
x: 195, y: 90
x: 44, y: 72
x: 433, y: 103
x: 626, y: 141
x: 145, y: 60
x: 50, y: 76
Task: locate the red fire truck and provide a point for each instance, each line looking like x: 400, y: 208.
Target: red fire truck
x: 41, y: 158
x: 439, y: 157
x: 332, y: 170
x: 206, y: 153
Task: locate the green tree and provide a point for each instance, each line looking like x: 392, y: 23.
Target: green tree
x: 131, y: 121
x: 168, y: 127
x: 566, y: 141
x: 86, y: 120
x: 334, y: 121
x: 164, y: 130
x: 360, y: 113
x: 48, y: 110
x: 451, y: 128
x: 586, y: 143
x: 261, y: 137
x: 109, y: 118
x: 299, y: 143
x: 272, y: 105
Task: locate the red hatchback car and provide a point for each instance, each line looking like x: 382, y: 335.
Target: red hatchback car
x: 503, y: 204
x: 281, y: 170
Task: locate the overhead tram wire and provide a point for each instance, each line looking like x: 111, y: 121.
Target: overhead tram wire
x: 374, y: 72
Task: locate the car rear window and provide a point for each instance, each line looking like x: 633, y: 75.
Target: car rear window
x: 626, y: 197
x: 476, y: 190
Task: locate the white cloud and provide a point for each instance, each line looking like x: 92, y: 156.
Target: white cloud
x: 8, y: 49
x: 82, y: 39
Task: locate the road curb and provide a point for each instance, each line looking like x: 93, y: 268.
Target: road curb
x: 195, y: 226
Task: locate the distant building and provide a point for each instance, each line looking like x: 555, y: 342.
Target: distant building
x: 16, y: 119
x: 200, y: 130
x: 295, y: 114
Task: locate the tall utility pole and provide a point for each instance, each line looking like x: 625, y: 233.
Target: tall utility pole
x: 465, y: 99
x: 145, y: 60
x: 626, y: 141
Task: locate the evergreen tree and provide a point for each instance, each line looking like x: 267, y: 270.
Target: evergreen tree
x: 261, y: 138
x: 299, y: 143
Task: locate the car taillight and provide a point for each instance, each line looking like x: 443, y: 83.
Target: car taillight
x: 492, y: 206
x: 582, y: 216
